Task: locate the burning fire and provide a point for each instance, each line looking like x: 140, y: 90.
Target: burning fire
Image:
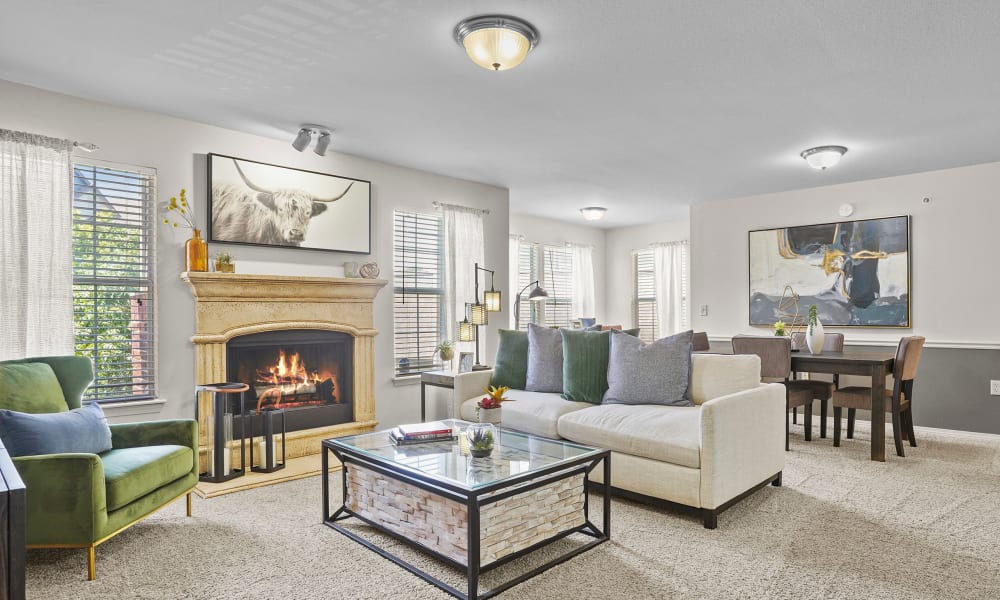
x: 289, y: 383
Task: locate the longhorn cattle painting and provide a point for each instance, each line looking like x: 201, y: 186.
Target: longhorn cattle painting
x: 857, y: 273
x: 267, y: 205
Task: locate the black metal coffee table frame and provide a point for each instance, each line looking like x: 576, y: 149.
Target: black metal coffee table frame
x: 473, y: 500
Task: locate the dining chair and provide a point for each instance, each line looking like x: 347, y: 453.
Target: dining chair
x: 699, y: 342
x: 832, y: 342
x: 775, y: 354
x: 899, y: 398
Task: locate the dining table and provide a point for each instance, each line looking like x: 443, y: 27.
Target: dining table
x: 875, y: 364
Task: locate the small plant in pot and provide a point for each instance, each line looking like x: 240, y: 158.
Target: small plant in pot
x: 488, y: 409
x: 779, y: 328
x: 224, y: 263
x: 446, y: 350
x: 481, y: 437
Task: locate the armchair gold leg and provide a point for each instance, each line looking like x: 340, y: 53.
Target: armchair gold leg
x: 91, y: 566
x: 189, y: 503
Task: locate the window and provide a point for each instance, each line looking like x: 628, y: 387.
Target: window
x: 644, y: 296
x: 113, y: 212
x: 527, y: 272
x: 644, y: 302
x: 418, y: 290
x: 552, y: 267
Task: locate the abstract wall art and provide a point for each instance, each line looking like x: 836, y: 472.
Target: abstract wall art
x: 857, y: 273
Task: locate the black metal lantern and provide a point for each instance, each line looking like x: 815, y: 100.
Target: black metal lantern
x: 227, y: 402
x: 271, y: 422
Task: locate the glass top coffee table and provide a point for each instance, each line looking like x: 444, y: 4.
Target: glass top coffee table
x: 473, y: 514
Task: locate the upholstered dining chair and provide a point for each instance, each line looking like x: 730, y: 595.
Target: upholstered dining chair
x: 832, y: 342
x: 699, y: 342
x: 899, y: 398
x: 775, y: 354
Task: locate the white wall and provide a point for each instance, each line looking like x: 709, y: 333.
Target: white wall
x: 954, y: 284
x: 556, y: 233
x: 176, y: 149
x: 618, y: 257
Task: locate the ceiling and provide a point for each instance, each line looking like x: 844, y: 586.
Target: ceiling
x: 643, y: 106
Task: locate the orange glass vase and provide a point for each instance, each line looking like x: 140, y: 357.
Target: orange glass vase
x: 196, y: 251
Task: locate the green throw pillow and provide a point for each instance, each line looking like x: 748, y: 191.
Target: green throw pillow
x: 585, y: 365
x: 30, y: 388
x: 511, y: 368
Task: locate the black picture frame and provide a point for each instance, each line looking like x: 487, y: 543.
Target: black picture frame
x: 834, y: 311
x: 281, y: 209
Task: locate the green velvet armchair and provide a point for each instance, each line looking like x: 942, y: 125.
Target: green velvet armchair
x: 82, y: 500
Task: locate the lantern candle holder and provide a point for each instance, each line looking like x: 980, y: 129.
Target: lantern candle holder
x: 272, y: 425
x: 227, y: 401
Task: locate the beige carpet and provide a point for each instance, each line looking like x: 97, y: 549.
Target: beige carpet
x: 927, y: 526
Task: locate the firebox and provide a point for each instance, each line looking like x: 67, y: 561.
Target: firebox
x: 309, y: 373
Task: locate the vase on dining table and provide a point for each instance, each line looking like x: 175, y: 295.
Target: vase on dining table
x: 815, y: 336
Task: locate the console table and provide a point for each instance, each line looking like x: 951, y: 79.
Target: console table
x: 442, y: 379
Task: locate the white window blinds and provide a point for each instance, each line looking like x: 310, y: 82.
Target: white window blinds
x: 113, y: 212
x: 644, y: 295
x: 418, y: 291
x: 558, y: 269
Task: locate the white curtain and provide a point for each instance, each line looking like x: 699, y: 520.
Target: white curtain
x: 514, y: 273
x: 670, y: 283
x: 584, y: 304
x: 36, y: 256
x: 464, y: 246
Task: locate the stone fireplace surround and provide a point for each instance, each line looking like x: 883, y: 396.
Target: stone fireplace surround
x: 228, y: 305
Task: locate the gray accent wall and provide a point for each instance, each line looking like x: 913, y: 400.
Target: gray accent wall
x: 951, y: 391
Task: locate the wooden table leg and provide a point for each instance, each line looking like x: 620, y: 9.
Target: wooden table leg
x: 878, y: 413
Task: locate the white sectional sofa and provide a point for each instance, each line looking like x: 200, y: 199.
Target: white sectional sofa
x: 707, y: 456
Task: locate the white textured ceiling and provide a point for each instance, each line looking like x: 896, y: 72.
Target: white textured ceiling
x: 640, y: 106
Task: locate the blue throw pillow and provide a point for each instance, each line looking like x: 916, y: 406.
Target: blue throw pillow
x: 79, y: 430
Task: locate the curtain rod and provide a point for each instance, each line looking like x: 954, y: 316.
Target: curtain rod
x: 44, y: 140
x: 478, y: 211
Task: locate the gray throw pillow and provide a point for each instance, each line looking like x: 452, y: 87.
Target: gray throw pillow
x: 655, y: 373
x: 545, y: 360
x: 82, y: 429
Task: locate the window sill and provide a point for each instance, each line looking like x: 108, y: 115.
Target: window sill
x: 406, y: 380
x: 132, y: 409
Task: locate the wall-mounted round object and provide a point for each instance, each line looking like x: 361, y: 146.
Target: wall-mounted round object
x: 926, y: 200
x: 846, y: 209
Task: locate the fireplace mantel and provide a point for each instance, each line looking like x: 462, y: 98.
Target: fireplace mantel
x: 228, y: 305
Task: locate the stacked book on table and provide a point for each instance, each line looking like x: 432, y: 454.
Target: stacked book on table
x: 419, y: 433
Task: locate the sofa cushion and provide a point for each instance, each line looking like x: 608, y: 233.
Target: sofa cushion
x: 666, y: 433
x: 545, y: 360
x: 511, y: 365
x: 655, y: 373
x: 82, y: 429
x: 531, y: 412
x: 585, y: 365
x: 631, y: 332
x: 715, y: 375
x: 31, y: 388
x: 131, y: 473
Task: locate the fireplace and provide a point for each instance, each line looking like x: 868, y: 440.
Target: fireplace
x: 239, y: 314
x: 309, y: 373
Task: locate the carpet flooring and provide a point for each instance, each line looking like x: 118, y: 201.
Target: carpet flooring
x: 925, y: 526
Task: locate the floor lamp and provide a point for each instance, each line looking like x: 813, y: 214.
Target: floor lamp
x: 537, y: 295
x: 476, y: 314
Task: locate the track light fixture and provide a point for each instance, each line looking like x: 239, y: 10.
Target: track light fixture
x: 305, y: 136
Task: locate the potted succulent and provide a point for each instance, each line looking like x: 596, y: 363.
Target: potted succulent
x: 779, y: 328
x: 224, y: 263
x: 480, y: 437
x: 814, y: 331
x: 488, y: 409
x: 446, y: 350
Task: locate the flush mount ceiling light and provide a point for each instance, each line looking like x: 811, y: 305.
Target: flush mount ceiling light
x: 823, y: 157
x: 593, y: 213
x: 305, y: 136
x: 496, y: 42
